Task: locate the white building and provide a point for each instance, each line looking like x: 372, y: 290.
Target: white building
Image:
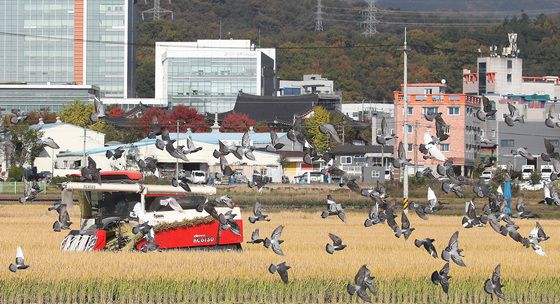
x: 69, y: 138
x: 310, y: 84
x: 208, y: 74
x: 362, y: 111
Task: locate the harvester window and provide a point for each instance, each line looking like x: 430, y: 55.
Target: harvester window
x: 153, y: 203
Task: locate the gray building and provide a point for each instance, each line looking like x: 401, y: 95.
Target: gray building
x: 69, y: 41
x: 531, y: 135
x: 51, y: 97
x: 363, y: 162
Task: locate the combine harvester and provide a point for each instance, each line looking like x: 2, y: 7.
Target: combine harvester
x: 121, y: 201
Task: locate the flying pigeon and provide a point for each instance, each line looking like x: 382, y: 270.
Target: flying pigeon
x: 536, y: 236
x: 452, y: 251
x: 470, y: 219
x: 227, y: 222
x: 428, y: 245
x: 521, y: 212
x: 275, y: 240
x: 330, y: 131
x: 282, y: 270
x: 551, y: 196
x: 255, y: 238
x: 190, y: 148
x: 115, y: 154
x: 513, y: 116
x: 63, y: 221
x: 148, y: 234
x: 336, y: 245
x: 430, y: 148
x: 524, y: 152
x: 487, y: 109
x: 493, y: 285
x: 172, y: 203
x: 90, y: 172
x: 48, y: 142
x: 427, y: 172
x: 258, y: 182
x: 258, y: 214
x: 552, y: 119
x: 275, y: 145
x: 375, y: 216
x: 442, y: 128
x: 405, y: 229
x: 401, y: 160
x: 384, y: 136
x: 20, y: 261
x: 442, y: 277
x: 363, y: 281
x: 333, y: 209
x: 433, y: 205
x: 246, y: 149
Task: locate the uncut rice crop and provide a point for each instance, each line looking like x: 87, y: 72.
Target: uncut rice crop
x: 401, y: 270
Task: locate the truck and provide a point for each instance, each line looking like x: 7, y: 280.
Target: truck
x: 526, y: 171
x: 546, y: 172
x: 110, y: 210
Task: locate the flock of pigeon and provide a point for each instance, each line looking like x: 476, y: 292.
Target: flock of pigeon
x: 495, y: 211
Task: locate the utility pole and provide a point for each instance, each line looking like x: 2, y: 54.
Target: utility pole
x: 371, y: 21
x: 220, y: 29
x: 319, y: 17
x: 405, y: 135
x: 176, y: 159
x: 415, y: 146
x: 84, y: 155
x: 157, y: 11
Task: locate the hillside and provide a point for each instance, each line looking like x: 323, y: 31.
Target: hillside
x: 363, y: 68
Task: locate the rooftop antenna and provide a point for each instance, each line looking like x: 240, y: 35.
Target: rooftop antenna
x: 157, y: 11
x: 319, y: 17
x: 370, y: 13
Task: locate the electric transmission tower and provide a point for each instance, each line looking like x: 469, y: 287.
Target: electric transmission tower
x: 371, y: 14
x: 157, y: 11
x: 319, y: 17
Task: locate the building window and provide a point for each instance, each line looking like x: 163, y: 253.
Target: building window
x: 444, y: 147
x: 409, y: 110
x: 453, y: 110
x: 427, y: 91
x: 409, y: 147
x: 509, y: 64
x: 507, y: 143
x: 375, y: 174
x: 360, y: 158
x: 508, y: 77
x: 430, y: 110
x: 346, y: 160
x: 409, y: 128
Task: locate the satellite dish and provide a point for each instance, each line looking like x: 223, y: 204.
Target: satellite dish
x: 443, y: 81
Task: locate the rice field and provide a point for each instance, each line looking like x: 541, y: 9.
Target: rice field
x: 402, y: 271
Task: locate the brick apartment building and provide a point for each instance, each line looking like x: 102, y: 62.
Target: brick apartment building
x: 458, y: 111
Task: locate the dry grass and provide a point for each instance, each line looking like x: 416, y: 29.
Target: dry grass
x: 242, y: 276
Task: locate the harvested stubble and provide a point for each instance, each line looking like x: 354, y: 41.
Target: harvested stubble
x: 402, y: 270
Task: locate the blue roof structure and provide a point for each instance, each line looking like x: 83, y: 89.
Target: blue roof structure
x: 209, y: 138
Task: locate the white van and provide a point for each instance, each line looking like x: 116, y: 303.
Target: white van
x: 526, y: 171
x: 487, y: 175
x: 546, y: 172
x: 196, y: 177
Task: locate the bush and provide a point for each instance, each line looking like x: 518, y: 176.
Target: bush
x: 15, y: 174
x: 535, y: 177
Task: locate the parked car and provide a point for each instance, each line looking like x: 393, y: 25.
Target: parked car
x: 196, y: 177
x: 44, y: 175
x: 238, y: 178
x: 526, y: 171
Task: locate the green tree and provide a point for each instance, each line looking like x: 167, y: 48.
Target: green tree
x: 317, y: 138
x: 77, y: 113
x: 22, y: 148
x: 535, y: 177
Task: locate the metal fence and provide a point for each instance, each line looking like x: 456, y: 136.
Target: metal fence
x: 17, y: 187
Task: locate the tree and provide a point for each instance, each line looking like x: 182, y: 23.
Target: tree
x: 154, y: 114
x: 188, y: 118
x: 77, y: 113
x: 22, y: 148
x: 114, y: 111
x: 236, y: 122
x: 317, y: 138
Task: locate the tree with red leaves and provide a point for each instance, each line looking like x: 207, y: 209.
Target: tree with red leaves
x: 115, y: 111
x: 188, y: 118
x: 157, y: 115
x: 236, y: 122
